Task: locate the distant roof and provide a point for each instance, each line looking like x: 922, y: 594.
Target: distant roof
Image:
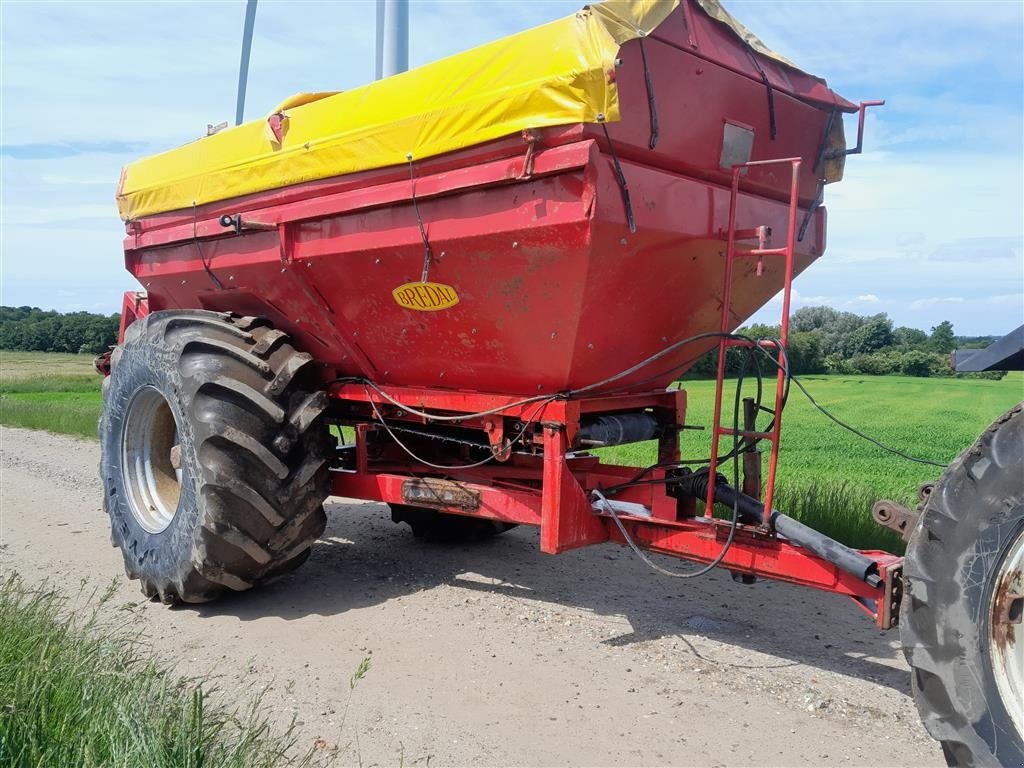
x: 1005, y: 354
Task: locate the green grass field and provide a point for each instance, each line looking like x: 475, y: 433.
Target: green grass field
x: 828, y: 477
x: 928, y: 418
x: 51, y: 391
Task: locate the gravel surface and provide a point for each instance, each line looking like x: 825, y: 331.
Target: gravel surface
x: 496, y: 654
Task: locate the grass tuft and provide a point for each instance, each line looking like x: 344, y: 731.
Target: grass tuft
x: 77, y: 687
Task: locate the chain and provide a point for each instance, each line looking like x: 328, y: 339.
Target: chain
x: 439, y: 438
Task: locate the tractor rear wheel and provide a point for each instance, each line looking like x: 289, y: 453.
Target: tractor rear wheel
x: 214, y: 458
x: 961, y: 623
x: 443, y: 528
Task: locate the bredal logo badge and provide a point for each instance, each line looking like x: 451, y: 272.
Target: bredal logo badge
x: 425, y: 297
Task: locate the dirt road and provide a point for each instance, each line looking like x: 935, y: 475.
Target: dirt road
x: 496, y: 654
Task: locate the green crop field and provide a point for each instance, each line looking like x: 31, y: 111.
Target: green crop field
x: 51, y: 391
x: 828, y: 477
x: 927, y: 418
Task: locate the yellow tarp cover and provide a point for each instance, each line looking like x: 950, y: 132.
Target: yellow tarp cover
x: 555, y: 74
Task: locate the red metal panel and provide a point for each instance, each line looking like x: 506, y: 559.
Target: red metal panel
x: 702, y: 541
x: 684, y: 83
x: 134, y: 305
x: 692, y: 30
x: 548, y: 276
x: 567, y: 521
x: 699, y: 540
x: 505, y: 504
x: 371, y: 189
x: 533, y: 243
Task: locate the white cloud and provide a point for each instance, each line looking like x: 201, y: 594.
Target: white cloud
x: 935, y: 301
x: 1005, y: 299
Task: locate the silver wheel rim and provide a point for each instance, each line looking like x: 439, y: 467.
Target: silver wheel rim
x: 1006, y: 645
x: 150, y: 460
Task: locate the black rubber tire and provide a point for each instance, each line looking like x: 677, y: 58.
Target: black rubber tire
x: 443, y: 528
x: 254, y: 453
x: 971, y: 518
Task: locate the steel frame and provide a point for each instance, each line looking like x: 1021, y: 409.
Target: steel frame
x: 551, y: 490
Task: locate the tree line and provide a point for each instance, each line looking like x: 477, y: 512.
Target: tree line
x: 825, y: 340
x: 30, y: 329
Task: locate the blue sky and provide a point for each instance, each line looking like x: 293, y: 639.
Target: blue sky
x: 928, y: 224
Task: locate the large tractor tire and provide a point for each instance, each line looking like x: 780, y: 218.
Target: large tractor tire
x: 214, y: 458
x: 961, y: 623
x: 443, y: 528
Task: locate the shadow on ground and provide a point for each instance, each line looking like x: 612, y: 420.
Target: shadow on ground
x: 364, y: 559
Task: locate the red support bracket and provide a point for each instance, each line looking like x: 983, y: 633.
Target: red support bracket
x: 567, y: 520
x: 134, y: 306
x: 861, y: 109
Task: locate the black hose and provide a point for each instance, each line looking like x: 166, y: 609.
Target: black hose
x: 752, y: 511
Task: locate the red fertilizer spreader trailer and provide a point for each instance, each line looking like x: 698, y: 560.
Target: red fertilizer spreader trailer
x: 481, y: 271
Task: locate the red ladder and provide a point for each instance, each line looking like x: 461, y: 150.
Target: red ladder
x: 761, y: 234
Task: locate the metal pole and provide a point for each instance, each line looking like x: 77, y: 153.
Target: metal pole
x: 243, y: 67
x: 395, y: 37
x: 378, y: 71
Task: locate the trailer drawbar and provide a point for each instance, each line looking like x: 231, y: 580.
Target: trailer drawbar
x: 695, y: 484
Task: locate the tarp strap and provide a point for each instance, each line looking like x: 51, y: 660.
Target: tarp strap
x: 650, y: 96
x: 530, y: 137
x: 819, y: 198
x: 620, y: 175
x: 428, y: 254
x: 824, y: 143
x: 768, y: 85
x: 819, y: 195
x: 199, y: 250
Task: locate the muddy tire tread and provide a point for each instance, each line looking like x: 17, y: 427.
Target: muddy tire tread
x: 261, y: 451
